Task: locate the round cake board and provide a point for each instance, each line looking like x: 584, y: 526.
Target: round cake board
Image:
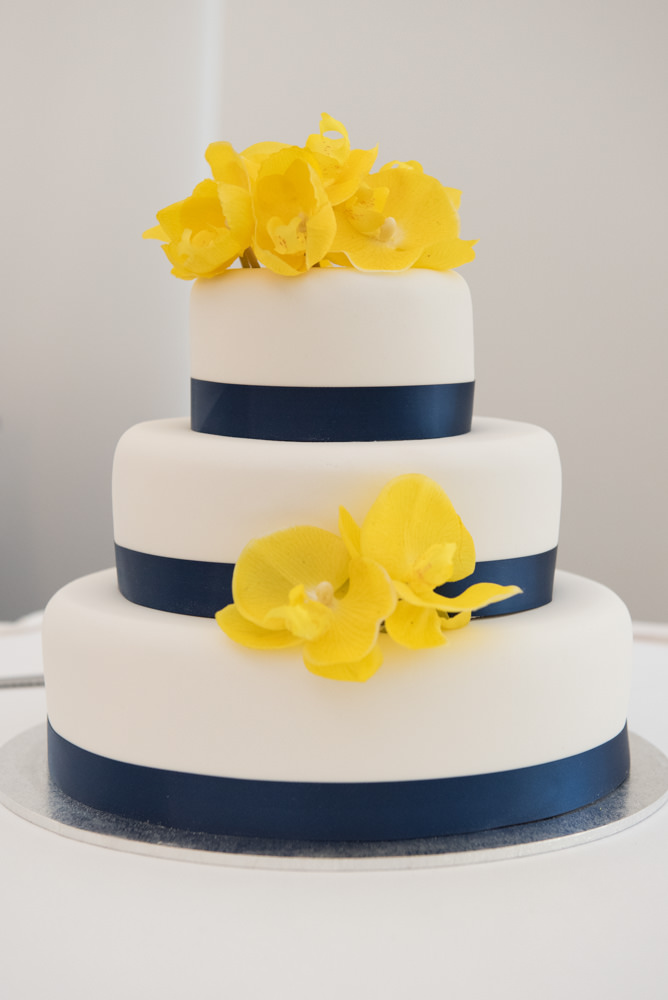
x: 26, y: 789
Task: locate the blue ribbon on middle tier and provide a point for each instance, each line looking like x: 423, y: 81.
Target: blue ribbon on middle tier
x: 194, y: 587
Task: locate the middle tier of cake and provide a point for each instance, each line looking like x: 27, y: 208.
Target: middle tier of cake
x: 185, y: 504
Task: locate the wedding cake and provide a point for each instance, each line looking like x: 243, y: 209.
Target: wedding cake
x: 334, y: 614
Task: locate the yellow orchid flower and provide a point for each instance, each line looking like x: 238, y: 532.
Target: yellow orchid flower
x: 413, y: 530
x: 206, y: 232
x: 289, y: 209
x: 395, y: 217
x: 300, y: 587
x: 295, y: 222
x: 342, y: 168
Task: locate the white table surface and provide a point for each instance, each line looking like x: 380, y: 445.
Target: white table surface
x: 80, y: 921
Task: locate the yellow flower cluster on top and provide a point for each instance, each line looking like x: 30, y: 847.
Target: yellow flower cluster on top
x: 331, y: 594
x: 291, y: 208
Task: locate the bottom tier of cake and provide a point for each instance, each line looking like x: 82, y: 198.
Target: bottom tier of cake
x: 160, y: 717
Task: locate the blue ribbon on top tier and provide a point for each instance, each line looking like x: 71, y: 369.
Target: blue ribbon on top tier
x: 193, y: 587
x: 332, y: 413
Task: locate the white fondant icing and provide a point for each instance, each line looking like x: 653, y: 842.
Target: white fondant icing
x: 200, y: 496
x: 174, y: 692
x: 333, y: 326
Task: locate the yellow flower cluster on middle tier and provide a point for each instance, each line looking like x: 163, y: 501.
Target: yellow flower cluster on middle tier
x: 291, y: 208
x: 308, y: 587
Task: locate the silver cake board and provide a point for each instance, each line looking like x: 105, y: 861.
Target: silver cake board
x: 26, y: 789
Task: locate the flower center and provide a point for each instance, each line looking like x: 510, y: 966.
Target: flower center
x: 324, y: 592
x: 387, y: 230
x: 289, y: 237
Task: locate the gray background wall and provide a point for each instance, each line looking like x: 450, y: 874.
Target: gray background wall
x: 551, y: 118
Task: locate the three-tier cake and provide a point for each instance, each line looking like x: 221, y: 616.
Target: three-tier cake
x: 311, y: 393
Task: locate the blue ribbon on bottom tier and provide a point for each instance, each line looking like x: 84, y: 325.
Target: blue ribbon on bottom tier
x: 192, y: 587
x: 311, y: 811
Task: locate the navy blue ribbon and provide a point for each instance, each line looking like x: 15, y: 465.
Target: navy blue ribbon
x: 327, y: 413
x: 191, y: 587
x: 366, y: 811
x: 184, y: 586
x: 533, y: 574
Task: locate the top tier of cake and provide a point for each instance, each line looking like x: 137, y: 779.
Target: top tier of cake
x: 336, y: 355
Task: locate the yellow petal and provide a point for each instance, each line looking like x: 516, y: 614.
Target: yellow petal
x: 290, y: 267
x: 204, y: 260
x: 329, y: 124
x: 361, y: 670
x: 320, y: 229
x: 414, y: 627
x: 259, y: 151
x: 226, y: 165
x: 342, y: 168
x: 178, y: 271
x: 287, y: 184
x: 480, y: 595
x: 366, y: 211
x: 433, y: 567
x: 337, y: 259
x: 238, y: 211
x: 406, y: 164
x: 449, y: 251
x: 156, y: 233
x: 455, y: 197
x: 246, y: 633
x: 323, y: 145
x: 356, y: 618
x: 477, y: 596
x: 350, y: 532
x: 254, y: 156
x: 447, y: 254
x: 269, y: 568
x: 411, y: 515
x: 347, y: 180
x: 455, y: 621
x: 200, y: 211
